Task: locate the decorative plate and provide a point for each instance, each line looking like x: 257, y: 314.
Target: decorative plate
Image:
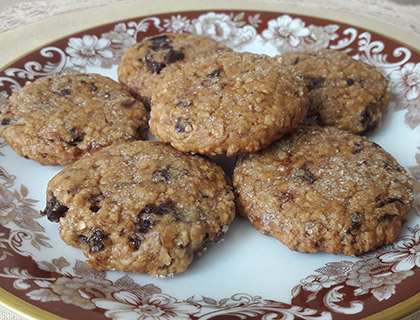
x: 248, y: 275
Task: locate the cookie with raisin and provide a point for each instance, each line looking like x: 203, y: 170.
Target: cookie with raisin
x: 324, y: 189
x: 343, y: 92
x: 146, y: 63
x: 141, y: 207
x: 56, y: 120
x: 228, y: 103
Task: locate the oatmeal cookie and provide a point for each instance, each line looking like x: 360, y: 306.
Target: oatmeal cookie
x: 343, y: 92
x: 324, y: 189
x: 145, y: 64
x: 229, y: 103
x: 141, y: 207
x: 56, y: 120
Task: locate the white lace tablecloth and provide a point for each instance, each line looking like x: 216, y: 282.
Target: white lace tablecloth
x: 401, y: 13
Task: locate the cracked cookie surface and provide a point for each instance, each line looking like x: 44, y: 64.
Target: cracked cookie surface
x: 146, y: 63
x: 141, y: 207
x: 56, y: 120
x: 343, y: 92
x: 324, y: 189
x: 229, y: 103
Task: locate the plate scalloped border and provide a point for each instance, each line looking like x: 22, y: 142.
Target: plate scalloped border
x: 85, y: 19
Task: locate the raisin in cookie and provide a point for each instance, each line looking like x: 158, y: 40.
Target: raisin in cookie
x: 324, y: 189
x: 145, y: 64
x: 343, y: 92
x: 229, y: 103
x: 58, y: 119
x: 141, y: 206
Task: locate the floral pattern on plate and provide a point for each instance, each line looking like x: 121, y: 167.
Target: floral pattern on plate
x: 334, y: 290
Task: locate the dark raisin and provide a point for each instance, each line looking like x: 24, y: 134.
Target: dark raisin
x: 184, y: 103
x: 159, y: 42
x: 92, y: 147
x: 94, y: 208
x: 220, y: 233
x: 96, y: 241
x: 161, y: 176
x: 154, y: 66
x: 142, y: 223
x: 365, y: 116
x: 165, y: 207
x: 356, y: 218
x: 135, y: 241
x: 357, y: 148
x: 314, y: 82
x: 54, y: 210
x: 74, y: 142
x: 384, y: 202
x: 355, y: 221
x: 64, y: 92
x: 215, y: 73
x: 207, y: 241
x: 307, y: 174
x: 223, y: 85
x: 84, y: 239
x: 94, y: 200
x: 296, y: 61
x: 182, y: 125
x: 162, y: 209
x: 75, y: 137
x: 284, y: 197
x: 203, y: 195
x: 95, y: 197
x: 173, y: 56
x: 320, y: 243
x: 5, y: 122
x: 143, y: 220
x: 350, y: 82
x: 148, y: 209
x: 128, y: 104
x: 386, y: 217
x: 353, y: 227
x: 93, y: 87
x: 388, y: 166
